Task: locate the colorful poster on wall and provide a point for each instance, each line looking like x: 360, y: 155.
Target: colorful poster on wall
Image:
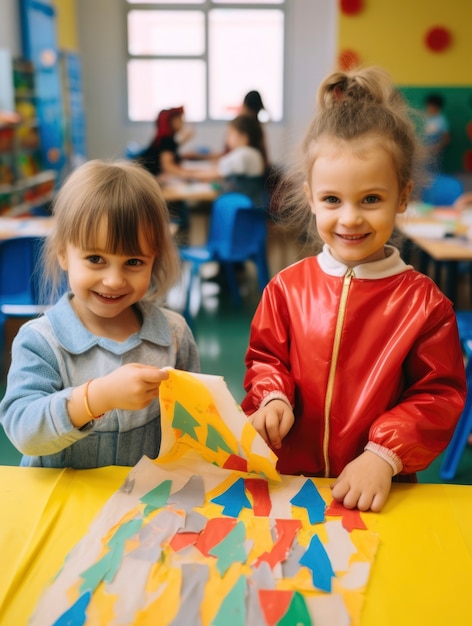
x: 210, y: 534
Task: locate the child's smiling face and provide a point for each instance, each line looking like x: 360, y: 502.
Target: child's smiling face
x: 106, y: 285
x: 354, y: 193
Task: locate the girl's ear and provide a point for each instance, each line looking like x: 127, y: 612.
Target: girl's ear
x: 404, y: 197
x: 62, y: 259
x: 309, y: 196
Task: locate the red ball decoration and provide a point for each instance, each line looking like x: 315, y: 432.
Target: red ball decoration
x: 438, y: 39
x: 351, y: 7
x: 468, y: 160
x: 348, y: 59
x: 468, y: 130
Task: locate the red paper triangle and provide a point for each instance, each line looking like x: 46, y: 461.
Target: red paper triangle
x: 351, y: 518
x: 182, y: 540
x: 235, y: 462
x: 214, y: 532
x: 274, y: 604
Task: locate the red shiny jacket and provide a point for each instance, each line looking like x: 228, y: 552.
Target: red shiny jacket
x: 392, y: 376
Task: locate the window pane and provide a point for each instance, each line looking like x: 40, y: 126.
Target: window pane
x: 166, y: 1
x: 159, y: 84
x: 172, y: 33
x: 248, y: 1
x: 245, y: 53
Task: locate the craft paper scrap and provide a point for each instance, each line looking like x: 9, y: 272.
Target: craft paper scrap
x: 309, y: 499
x: 198, y: 411
x: 186, y: 540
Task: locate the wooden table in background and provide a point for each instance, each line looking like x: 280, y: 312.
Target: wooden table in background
x: 177, y: 189
x: 442, y: 236
x: 25, y: 226
x: 191, y: 192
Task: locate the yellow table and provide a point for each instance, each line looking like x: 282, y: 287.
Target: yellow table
x: 422, y: 574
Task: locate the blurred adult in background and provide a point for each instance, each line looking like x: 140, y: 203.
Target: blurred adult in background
x: 254, y: 107
x: 162, y: 155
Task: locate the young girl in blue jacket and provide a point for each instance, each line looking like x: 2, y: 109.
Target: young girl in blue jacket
x: 82, y: 389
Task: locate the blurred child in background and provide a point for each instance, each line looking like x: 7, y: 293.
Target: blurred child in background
x: 436, y: 130
x: 243, y: 167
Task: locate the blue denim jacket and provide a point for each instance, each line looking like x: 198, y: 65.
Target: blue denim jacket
x: 55, y: 353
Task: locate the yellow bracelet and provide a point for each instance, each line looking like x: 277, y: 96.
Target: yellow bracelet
x: 86, y: 402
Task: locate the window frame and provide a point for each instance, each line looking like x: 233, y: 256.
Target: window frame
x: 205, y: 7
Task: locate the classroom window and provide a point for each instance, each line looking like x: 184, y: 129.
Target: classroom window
x: 205, y: 55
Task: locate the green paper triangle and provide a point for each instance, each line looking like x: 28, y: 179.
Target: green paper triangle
x: 184, y: 421
x: 233, y: 608
x: 215, y: 440
x: 230, y: 549
x: 157, y: 497
x: 297, y: 613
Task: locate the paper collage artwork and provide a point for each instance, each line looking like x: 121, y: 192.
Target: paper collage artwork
x: 210, y: 534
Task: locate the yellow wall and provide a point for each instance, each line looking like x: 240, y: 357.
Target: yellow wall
x: 66, y: 25
x: 390, y: 33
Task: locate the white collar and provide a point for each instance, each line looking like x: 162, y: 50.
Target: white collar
x: 391, y: 265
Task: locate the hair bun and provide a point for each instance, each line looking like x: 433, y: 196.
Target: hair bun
x: 356, y: 86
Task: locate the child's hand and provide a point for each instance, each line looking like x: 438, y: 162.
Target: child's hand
x: 273, y: 421
x: 364, y: 483
x: 132, y: 386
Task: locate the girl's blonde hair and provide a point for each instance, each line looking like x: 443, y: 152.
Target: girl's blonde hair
x: 129, y: 199
x: 350, y: 105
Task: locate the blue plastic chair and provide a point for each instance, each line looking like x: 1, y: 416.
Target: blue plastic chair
x: 19, y: 270
x: 132, y: 150
x: 443, y: 191
x: 20, y: 279
x: 252, y: 186
x: 463, y: 429
x: 238, y: 233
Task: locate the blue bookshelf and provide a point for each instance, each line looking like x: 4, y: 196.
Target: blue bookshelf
x: 39, y: 42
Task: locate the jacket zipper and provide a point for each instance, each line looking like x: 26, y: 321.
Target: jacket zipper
x: 334, y: 361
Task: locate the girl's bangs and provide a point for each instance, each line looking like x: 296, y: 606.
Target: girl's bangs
x: 127, y: 232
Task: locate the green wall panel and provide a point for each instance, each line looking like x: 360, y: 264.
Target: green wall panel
x: 458, y: 110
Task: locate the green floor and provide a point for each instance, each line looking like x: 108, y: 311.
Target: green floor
x: 222, y: 334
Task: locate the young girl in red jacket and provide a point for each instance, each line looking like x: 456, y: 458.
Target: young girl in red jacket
x: 354, y: 366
